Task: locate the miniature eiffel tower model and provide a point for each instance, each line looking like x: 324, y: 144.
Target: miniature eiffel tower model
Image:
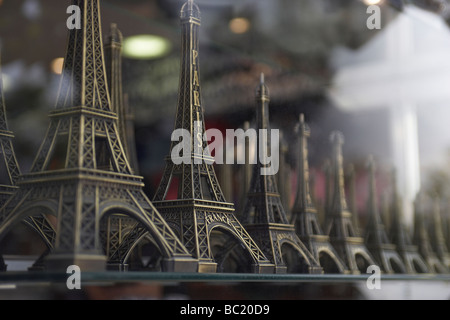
x: 9, y: 160
x: 422, y: 239
x: 304, y: 212
x: 40, y: 224
x: 437, y: 235
x: 200, y: 205
x: 81, y: 174
x: 338, y: 224
x: 119, y: 101
x: 376, y: 237
x: 400, y: 237
x: 264, y: 215
x: 11, y: 170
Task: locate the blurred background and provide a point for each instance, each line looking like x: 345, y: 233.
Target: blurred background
x: 385, y: 89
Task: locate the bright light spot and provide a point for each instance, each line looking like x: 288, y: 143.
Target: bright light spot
x: 7, y: 82
x: 372, y: 2
x: 57, y: 65
x: 239, y: 25
x: 146, y: 47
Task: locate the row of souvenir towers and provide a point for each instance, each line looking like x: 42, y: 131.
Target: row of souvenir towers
x: 425, y: 247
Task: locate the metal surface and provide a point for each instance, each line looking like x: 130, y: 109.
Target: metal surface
x: 338, y: 224
x: 304, y: 212
x: 199, y: 209
x: 376, y: 238
x: 81, y: 174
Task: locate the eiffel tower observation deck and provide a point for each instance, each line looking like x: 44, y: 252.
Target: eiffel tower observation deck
x: 81, y: 174
x: 199, y: 210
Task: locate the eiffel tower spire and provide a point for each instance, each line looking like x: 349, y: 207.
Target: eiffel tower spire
x: 119, y: 100
x: 422, y: 238
x: 199, y: 205
x: 401, y: 238
x: 81, y: 174
x: 376, y: 237
x: 338, y: 225
x: 304, y: 212
x: 264, y: 215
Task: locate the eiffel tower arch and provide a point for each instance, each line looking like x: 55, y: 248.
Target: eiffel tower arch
x: 81, y: 173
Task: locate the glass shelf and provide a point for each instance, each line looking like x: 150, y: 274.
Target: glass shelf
x: 219, y: 278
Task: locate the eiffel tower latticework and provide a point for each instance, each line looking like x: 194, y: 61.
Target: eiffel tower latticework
x: 264, y: 215
x: 376, y: 238
x: 81, y: 174
x: 199, y: 207
x: 401, y: 238
x: 422, y: 239
x: 338, y: 222
x: 304, y: 212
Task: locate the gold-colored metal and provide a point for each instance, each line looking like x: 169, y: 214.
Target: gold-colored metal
x: 376, y: 238
x: 338, y: 224
x: 81, y: 173
x: 199, y: 209
x: 304, y: 212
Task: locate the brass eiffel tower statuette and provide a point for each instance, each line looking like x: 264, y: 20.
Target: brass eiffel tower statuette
x: 400, y: 237
x: 376, y: 238
x: 40, y: 223
x: 119, y: 101
x: 437, y: 234
x: 199, y: 210
x: 422, y: 239
x: 304, y: 212
x: 81, y: 174
x: 10, y: 164
x: 338, y: 224
x: 264, y: 215
x: 12, y: 169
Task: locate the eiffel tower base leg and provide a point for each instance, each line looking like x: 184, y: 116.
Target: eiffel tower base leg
x: 86, y: 262
x: 179, y: 265
x: 263, y: 268
x: 315, y: 270
x: 280, y: 270
x: 207, y: 267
